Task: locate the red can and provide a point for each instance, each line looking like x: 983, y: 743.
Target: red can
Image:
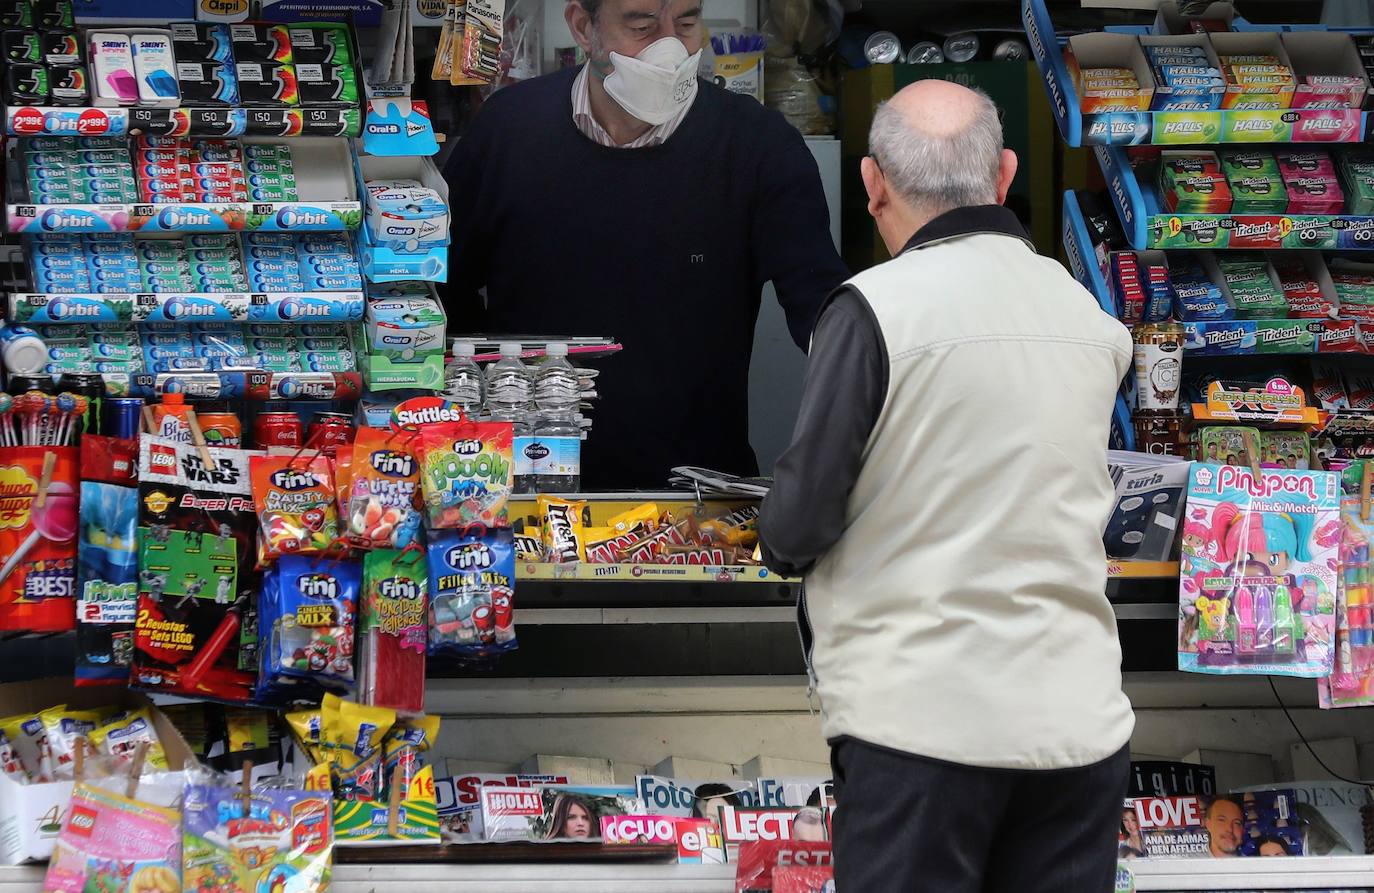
x: 277, y: 429
x: 330, y: 430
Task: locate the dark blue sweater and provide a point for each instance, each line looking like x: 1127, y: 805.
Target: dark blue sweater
x: 665, y: 248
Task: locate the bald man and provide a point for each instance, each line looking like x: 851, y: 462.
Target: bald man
x: 944, y: 497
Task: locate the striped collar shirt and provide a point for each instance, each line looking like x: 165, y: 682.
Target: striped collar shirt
x: 592, y: 129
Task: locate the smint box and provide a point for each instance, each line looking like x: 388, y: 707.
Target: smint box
x: 406, y: 329
x: 1220, y: 338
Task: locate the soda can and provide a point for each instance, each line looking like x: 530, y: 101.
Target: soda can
x: 882, y: 48
x: 90, y: 386
x: 277, y: 429
x: 330, y: 430
x: 962, y: 47
x: 120, y: 417
x: 926, y: 53
x: 1011, y: 50
x: 22, y: 384
x: 221, y: 429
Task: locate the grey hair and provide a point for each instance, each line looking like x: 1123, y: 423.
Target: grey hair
x: 940, y: 173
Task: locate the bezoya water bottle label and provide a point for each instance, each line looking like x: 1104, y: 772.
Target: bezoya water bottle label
x: 553, y: 456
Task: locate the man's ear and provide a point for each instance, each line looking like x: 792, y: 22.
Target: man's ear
x: 1006, y: 172
x: 580, y: 24
x: 875, y: 185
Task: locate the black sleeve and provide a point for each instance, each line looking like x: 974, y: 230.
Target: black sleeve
x: 791, y: 233
x: 468, y: 240
x: 846, y: 386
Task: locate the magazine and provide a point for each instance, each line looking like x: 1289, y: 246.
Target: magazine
x: 742, y: 824
x: 1172, y: 828
x: 759, y: 860
x: 796, y: 879
x: 1162, y: 778
x: 1257, y: 588
x: 1272, y: 826
x: 692, y: 798
x: 794, y: 792
x: 1329, y: 813
x: 698, y: 842
x: 460, y: 802
x: 553, y: 812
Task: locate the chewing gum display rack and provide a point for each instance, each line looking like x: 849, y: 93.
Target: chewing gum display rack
x: 194, y: 121
x: 1148, y: 224
x: 1178, y: 128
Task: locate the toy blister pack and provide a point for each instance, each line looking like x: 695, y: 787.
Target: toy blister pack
x: 112, y: 843
x: 196, y: 547
x: 281, y: 842
x: 471, y: 592
x: 1351, y: 683
x: 1257, y: 590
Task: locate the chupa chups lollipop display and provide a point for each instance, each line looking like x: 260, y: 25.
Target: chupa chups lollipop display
x: 384, y: 490
x: 393, y: 631
x: 196, y: 548
x: 277, y: 840
x: 38, y: 526
x: 466, y: 473
x: 295, y: 498
x: 471, y: 593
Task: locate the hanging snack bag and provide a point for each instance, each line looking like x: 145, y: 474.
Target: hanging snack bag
x: 312, y: 635
x: 564, y: 540
x: 63, y: 728
x: 295, y: 503
x: 305, y: 728
x: 196, y: 577
x: 112, y: 843
x: 472, y: 593
x: 29, y: 739
x: 10, y: 765
x: 404, y: 748
x: 393, y: 631
x: 384, y: 493
x: 351, y: 742
x: 465, y: 473
x: 38, y: 538
x: 121, y: 738
x: 278, y: 841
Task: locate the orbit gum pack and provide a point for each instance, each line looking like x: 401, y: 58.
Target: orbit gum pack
x: 472, y: 591
x: 465, y: 473
x: 196, y: 557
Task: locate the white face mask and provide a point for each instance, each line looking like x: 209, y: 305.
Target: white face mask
x: 658, y: 83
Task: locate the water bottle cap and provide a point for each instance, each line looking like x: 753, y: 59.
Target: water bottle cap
x: 511, y: 349
x: 464, y: 349
x: 557, y: 349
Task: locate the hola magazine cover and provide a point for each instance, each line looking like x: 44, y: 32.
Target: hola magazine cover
x: 554, y: 812
x: 460, y: 801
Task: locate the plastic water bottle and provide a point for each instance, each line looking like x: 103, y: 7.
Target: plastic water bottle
x: 509, y: 390
x: 557, y: 434
x: 463, y: 379
x: 509, y: 382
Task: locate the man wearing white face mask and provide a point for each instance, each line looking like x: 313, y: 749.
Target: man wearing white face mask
x: 630, y: 198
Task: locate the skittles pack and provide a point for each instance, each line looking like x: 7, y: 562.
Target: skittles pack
x: 1258, y: 583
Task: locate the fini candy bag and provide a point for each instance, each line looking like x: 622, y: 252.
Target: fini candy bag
x: 295, y: 502
x: 38, y: 541
x: 384, y: 490
x: 466, y: 473
x: 310, y: 635
x: 393, y: 630
x: 472, y: 593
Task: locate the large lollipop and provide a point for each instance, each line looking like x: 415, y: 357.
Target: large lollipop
x: 55, y: 520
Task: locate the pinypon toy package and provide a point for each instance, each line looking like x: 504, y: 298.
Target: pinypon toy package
x: 465, y: 473
x: 1351, y: 683
x: 295, y: 498
x: 114, y: 844
x: 196, y: 548
x: 1258, y: 583
x: 393, y: 630
x: 383, y: 510
x: 38, y: 525
x: 471, y: 593
x: 271, y: 839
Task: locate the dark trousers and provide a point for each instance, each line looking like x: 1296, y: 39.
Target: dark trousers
x: 906, y: 824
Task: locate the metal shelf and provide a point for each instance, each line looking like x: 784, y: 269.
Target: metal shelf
x: 1306, y: 873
